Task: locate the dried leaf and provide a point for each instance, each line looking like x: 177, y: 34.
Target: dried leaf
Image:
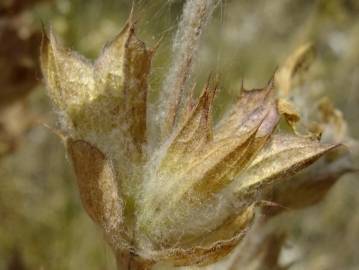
x: 310, y: 186
x: 251, y: 107
x: 121, y: 72
x: 68, y: 76
x: 208, y: 248
x: 97, y: 185
x: 107, y: 95
x: 197, y: 129
x: 288, y: 110
x: 295, y: 64
x: 283, y: 156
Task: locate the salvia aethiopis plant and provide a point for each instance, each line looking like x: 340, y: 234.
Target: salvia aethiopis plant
x: 188, y: 200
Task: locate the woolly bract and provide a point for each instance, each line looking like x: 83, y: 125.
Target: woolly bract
x: 193, y: 198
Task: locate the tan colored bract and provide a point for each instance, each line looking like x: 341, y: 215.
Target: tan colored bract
x: 192, y: 199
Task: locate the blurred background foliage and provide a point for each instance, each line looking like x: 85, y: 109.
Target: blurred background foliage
x: 42, y: 224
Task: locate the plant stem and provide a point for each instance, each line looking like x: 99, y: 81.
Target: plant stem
x: 196, y: 14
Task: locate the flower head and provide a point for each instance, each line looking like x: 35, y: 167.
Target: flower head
x: 192, y: 199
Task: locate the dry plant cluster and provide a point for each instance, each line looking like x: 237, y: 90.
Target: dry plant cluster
x: 167, y: 184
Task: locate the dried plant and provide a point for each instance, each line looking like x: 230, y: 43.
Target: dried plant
x: 191, y: 199
x: 322, y: 120
x: 263, y: 245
